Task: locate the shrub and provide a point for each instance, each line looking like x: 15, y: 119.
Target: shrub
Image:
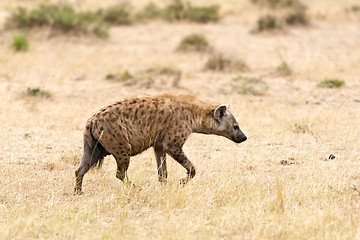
x: 59, y: 17
x: 277, y: 3
x: 219, y: 63
x: 284, y: 69
x: 37, y: 92
x: 331, y: 83
x: 175, y: 11
x: 268, y: 22
x: 194, y: 42
x: 150, y: 11
x: 203, y: 14
x: 297, y: 17
x: 115, y: 15
x: 120, y: 77
x: 249, y: 85
x: 180, y: 11
x: 165, y: 74
x: 20, y: 43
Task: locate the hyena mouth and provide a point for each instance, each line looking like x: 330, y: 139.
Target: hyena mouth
x: 240, y: 139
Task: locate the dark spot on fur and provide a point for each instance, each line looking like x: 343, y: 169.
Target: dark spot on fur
x: 101, y: 129
x: 126, y: 115
x: 87, y: 127
x: 142, y: 112
x: 133, y: 102
x: 161, y: 112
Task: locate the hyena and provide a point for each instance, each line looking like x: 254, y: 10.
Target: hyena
x: 164, y: 122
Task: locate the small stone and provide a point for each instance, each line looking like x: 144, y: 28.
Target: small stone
x: 332, y: 157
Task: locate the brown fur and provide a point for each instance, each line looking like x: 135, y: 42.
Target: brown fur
x: 164, y: 122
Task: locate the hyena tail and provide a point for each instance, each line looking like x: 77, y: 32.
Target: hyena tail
x: 96, y: 152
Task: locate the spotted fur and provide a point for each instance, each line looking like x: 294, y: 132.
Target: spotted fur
x: 164, y: 122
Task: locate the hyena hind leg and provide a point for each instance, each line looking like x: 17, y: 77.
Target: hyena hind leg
x: 89, y: 159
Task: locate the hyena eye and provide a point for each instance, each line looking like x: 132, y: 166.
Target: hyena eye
x: 236, y: 127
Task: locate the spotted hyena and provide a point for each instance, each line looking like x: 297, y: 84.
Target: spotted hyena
x: 164, y: 122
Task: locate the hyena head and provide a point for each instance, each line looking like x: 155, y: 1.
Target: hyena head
x: 226, y: 125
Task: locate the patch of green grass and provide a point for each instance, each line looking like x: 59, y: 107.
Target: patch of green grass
x: 64, y: 18
x: 203, y: 14
x: 163, y: 71
x: 115, y: 15
x: 284, y: 69
x: 119, y: 77
x: 331, y: 83
x: 194, y: 43
x: 165, y: 74
x: 20, y: 43
x: 178, y: 10
x: 150, y: 11
x: 249, y: 85
x: 217, y: 62
x: 268, y: 23
x: 37, y: 92
x: 277, y: 3
x: 297, y: 16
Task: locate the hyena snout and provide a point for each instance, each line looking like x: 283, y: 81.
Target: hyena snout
x: 238, y: 136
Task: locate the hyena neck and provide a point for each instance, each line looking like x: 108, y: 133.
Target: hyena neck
x: 203, y: 121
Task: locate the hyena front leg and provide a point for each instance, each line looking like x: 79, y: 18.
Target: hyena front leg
x: 181, y: 158
x: 161, y: 164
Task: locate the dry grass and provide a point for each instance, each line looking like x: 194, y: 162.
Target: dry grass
x: 240, y: 191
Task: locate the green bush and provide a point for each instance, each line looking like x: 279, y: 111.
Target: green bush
x: 115, y: 15
x: 284, y: 69
x: 217, y: 62
x: 120, y: 77
x: 249, y: 85
x: 331, y: 83
x: 194, y: 42
x: 268, y: 23
x: 65, y: 19
x: 297, y: 17
x: 150, y: 11
x: 203, y: 14
x: 177, y: 10
x: 20, y: 43
x: 278, y: 3
x: 37, y: 92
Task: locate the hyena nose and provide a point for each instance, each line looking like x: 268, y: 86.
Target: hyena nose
x: 244, y: 138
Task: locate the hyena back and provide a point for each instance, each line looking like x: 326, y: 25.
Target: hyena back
x: 164, y: 122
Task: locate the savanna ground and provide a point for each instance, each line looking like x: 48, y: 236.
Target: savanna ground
x: 241, y: 191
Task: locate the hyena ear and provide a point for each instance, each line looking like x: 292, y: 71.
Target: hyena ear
x: 220, y: 111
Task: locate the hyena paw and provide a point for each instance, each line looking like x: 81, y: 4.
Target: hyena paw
x: 184, y: 180
x: 78, y: 191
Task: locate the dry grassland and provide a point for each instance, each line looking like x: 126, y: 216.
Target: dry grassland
x: 240, y: 191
